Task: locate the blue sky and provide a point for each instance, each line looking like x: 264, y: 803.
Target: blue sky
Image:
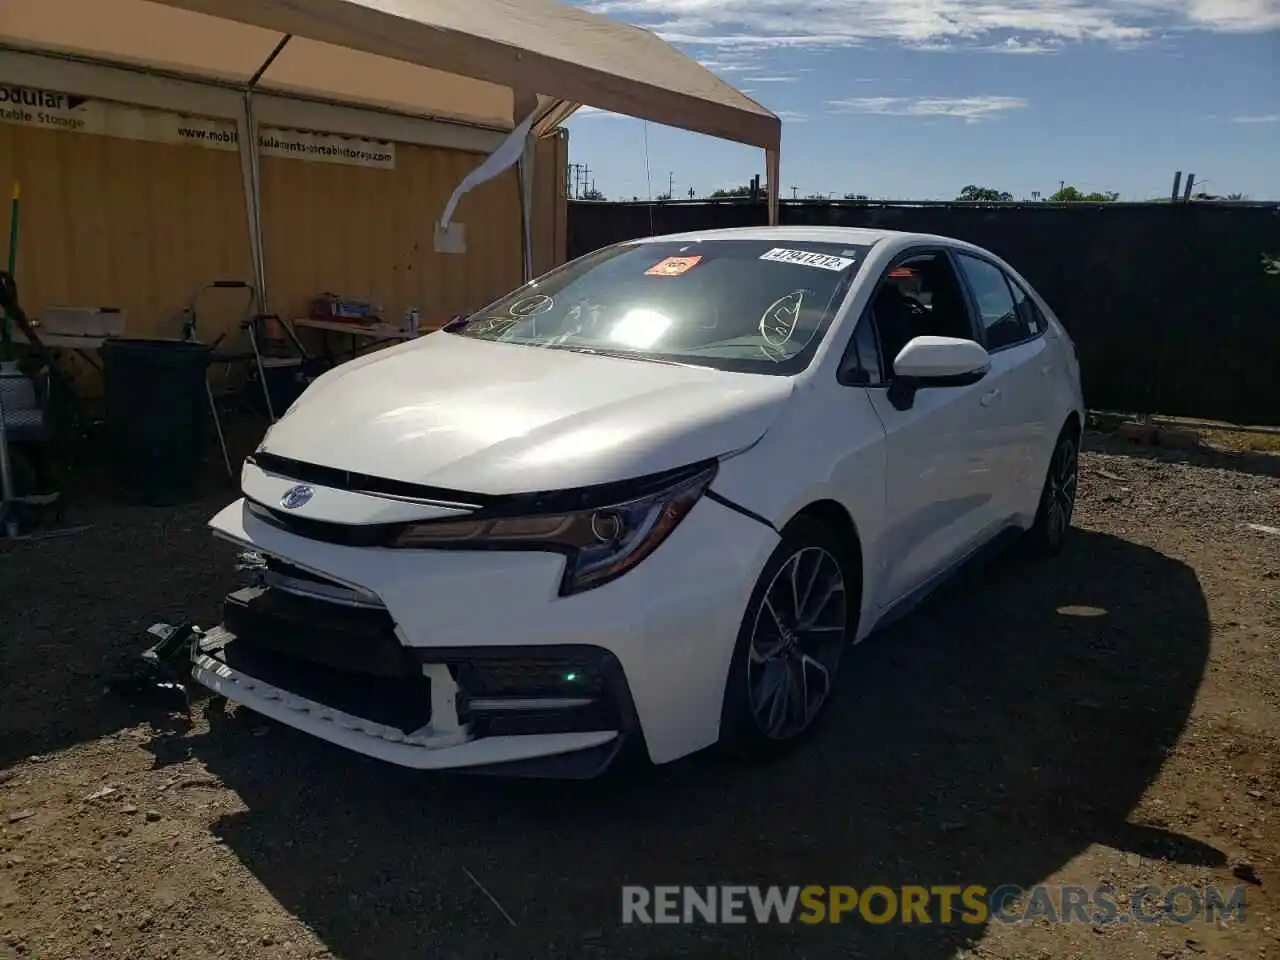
x: 914, y: 100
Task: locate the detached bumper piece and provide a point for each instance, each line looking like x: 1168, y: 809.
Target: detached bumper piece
x: 339, y: 671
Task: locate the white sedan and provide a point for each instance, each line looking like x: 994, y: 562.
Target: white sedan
x: 642, y: 505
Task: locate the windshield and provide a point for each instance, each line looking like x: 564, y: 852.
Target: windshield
x: 747, y: 305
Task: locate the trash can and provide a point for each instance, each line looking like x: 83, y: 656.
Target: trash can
x: 157, y: 416
x: 286, y: 379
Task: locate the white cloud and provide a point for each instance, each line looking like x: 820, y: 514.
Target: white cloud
x: 725, y: 65
x: 1235, y: 16
x: 791, y: 116
x: 595, y: 113
x: 968, y: 109
x: 1263, y: 118
x: 1004, y: 26
x: 1018, y: 45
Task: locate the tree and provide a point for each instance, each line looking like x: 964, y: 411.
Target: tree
x: 592, y: 194
x: 1070, y: 194
x: 740, y: 191
x: 984, y: 194
x: 855, y: 196
x: 663, y: 196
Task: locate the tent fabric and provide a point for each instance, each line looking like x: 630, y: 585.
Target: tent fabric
x: 460, y: 60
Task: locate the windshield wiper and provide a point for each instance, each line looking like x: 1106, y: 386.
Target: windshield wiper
x: 620, y: 354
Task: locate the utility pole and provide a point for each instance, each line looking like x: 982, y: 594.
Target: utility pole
x: 671, y: 184
x: 794, y: 191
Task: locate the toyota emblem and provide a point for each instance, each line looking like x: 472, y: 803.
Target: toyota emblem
x: 296, y: 497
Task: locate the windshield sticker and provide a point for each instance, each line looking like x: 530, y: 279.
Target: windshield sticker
x: 807, y: 258
x: 531, y: 306
x: 673, y: 267
x: 493, y: 324
x: 778, y: 324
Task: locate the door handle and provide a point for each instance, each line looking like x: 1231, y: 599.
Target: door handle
x: 989, y: 398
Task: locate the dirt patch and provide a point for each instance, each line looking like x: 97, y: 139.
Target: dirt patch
x: 1108, y: 717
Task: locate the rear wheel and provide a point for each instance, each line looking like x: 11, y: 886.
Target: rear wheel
x: 799, y: 619
x: 1057, y: 498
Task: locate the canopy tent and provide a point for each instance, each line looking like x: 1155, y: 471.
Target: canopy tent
x: 517, y: 68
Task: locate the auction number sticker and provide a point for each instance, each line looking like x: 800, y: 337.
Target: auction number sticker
x: 673, y: 266
x: 807, y: 258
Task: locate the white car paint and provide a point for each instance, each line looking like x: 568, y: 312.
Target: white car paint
x: 499, y: 418
x: 922, y: 487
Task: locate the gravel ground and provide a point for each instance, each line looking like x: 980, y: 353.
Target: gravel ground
x: 1110, y: 716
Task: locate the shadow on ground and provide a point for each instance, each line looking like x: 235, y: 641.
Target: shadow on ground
x: 74, y: 610
x: 74, y: 613
x: 985, y: 740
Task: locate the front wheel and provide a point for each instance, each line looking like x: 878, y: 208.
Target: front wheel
x: 800, y: 617
x: 1057, y: 499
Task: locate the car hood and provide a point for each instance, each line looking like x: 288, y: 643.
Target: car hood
x: 493, y: 418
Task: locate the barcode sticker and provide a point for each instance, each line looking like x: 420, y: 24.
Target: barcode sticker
x: 807, y: 258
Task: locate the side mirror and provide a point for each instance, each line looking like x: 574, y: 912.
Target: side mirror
x: 936, y: 362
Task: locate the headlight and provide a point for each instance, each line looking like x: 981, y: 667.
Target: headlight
x: 600, y: 543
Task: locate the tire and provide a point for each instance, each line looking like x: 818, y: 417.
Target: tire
x: 1057, y: 498
x: 759, y: 723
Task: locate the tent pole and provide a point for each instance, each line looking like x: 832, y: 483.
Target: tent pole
x: 773, y: 178
x: 247, y: 135
x: 251, y: 169
x: 525, y: 176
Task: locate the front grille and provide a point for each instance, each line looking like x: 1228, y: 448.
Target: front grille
x: 284, y: 576
x: 359, y: 640
x: 402, y: 702
x: 285, y: 568
x: 338, y: 479
x: 324, y: 531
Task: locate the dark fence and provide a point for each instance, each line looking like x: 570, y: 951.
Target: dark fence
x: 1172, y: 306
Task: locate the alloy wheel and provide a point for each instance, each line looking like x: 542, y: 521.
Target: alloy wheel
x: 796, y: 641
x: 1061, y: 491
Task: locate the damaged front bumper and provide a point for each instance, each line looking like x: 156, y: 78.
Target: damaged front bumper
x: 296, y: 648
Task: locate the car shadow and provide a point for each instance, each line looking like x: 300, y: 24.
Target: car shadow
x: 986, y: 739
x: 75, y: 611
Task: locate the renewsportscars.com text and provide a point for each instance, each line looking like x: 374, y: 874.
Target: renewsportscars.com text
x: 943, y: 904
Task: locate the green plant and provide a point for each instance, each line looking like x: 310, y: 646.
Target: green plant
x: 985, y: 194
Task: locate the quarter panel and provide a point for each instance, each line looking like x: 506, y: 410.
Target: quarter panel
x: 828, y: 445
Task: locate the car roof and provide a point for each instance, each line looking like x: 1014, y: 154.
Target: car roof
x: 851, y: 235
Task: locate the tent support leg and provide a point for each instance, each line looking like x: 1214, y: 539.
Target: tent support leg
x: 247, y: 133
x: 525, y: 179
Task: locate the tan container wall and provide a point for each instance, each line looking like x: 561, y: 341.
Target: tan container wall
x: 369, y: 234
x: 141, y: 226
x: 125, y: 223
